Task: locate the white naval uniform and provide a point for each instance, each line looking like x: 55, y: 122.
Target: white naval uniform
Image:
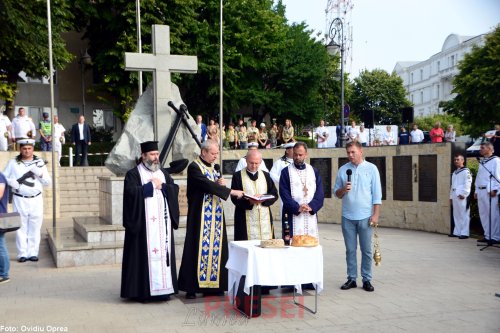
x: 275, y: 174
x: 28, y: 201
x: 482, y: 185
x: 58, y: 134
x: 21, y: 126
x: 242, y: 164
x: 461, y: 181
x: 4, y: 124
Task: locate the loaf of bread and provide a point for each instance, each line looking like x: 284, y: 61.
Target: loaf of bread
x: 272, y: 243
x: 304, y: 241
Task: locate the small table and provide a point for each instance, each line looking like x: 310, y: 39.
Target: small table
x: 274, y: 267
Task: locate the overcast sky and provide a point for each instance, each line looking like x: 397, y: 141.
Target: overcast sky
x: 387, y: 31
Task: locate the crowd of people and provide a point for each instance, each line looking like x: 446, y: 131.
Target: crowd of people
x: 240, y: 135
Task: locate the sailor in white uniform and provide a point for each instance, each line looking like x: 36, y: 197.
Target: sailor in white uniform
x: 461, y: 181
x: 487, y: 186
x: 27, y: 174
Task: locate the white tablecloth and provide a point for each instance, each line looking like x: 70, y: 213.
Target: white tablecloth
x: 274, y: 266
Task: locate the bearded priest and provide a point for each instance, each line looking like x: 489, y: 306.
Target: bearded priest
x: 150, y: 214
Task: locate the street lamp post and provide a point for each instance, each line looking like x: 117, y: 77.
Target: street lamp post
x: 336, y: 43
x: 85, y: 60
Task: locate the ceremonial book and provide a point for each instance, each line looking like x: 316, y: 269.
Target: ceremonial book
x: 262, y: 198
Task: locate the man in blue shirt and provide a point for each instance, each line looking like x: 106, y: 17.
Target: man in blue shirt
x: 358, y: 185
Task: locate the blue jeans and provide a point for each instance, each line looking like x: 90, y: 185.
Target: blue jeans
x: 4, y: 257
x: 350, y: 230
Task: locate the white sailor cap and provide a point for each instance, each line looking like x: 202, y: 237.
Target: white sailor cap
x: 253, y: 145
x: 23, y: 142
x: 289, y: 145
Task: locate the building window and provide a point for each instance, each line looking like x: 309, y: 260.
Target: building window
x: 452, y: 60
x: 411, y: 79
x: 421, y: 74
x: 421, y: 97
x: 437, y: 91
x: 439, y: 65
x: 411, y: 98
x: 104, y: 119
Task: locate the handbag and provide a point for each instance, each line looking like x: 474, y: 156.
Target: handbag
x: 10, y: 222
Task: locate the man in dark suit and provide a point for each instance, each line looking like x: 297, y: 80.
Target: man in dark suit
x: 80, y: 136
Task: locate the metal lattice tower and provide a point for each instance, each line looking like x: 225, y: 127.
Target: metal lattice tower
x: 343, y: 10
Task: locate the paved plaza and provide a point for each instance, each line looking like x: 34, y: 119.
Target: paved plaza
x: 427, y: 283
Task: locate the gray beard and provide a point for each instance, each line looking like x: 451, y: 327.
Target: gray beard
x: 152, y: 166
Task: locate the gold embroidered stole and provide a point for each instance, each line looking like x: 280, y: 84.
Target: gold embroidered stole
x: 211, y: 235
x: 258, y: 219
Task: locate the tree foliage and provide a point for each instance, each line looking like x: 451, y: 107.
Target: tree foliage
x: 381, y: 92
x: 24, y: 40
x: 478, y: 85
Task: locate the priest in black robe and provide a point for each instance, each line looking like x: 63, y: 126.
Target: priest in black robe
x: 203, y: 266
x: 253, y: 218
x: 150, y: 213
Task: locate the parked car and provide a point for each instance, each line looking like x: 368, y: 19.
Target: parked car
x: 473, y: 151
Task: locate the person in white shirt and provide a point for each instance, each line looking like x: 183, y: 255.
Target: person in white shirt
x: 322, y: 134
x: 59, y: 138
x: 22, y: 126
x: 242, y: 163
x: 388, y: 137
x: 5, y: 128
x: 27, y: 175
x: 363, y: 135
x: 461, y: 182
x: 416, y: 135
x: 352, y: 134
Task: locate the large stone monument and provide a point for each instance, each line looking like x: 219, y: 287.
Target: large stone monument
x: 152, y: 118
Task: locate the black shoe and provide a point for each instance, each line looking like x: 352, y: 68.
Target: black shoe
x: 452, y: 235
x: 34, y: 258
x: 213, y: 293
x: 348, y: 285
x: 495, y: 241
x: 190, y: 295
x: 368, y: 286
x: 463, y: 237
x: 22, y: 259
x: 483, y: 240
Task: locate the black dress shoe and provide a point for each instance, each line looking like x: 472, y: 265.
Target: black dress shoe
x: 34, y: 258
x: 190, y: 295
x: 452, y: 235
x: 483, y: 240
x: 368, y: 286
x: 463, y: 237
x: 349, y: 284
x: 22, y: 259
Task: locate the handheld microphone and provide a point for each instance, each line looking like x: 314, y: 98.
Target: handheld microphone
x: 349, y: 173
x: 217, y: 170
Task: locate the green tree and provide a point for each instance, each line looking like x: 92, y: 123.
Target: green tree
x: 381, y: 92
x: 426, y: 123
x: 477, y: 86
x: 24, y: 41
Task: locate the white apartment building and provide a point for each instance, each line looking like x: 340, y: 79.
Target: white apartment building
x: 429, y: 82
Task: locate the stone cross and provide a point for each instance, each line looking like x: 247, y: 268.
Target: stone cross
x: 161, y: 63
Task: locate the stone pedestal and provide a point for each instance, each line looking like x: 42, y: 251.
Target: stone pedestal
x: 111, y: 199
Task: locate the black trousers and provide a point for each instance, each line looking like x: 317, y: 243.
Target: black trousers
x: 81, y: 148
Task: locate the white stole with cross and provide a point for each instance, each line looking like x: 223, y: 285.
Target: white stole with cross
x: 303, y: 187
x: 157, y: 236
x: 258, y: 219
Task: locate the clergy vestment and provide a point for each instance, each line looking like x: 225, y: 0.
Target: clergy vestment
x: 301, y: 185
x: 203, y: 266
x: 253, y: 221
x: 149, y: 217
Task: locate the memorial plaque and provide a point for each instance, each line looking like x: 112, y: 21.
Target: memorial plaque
x: 427, y: 178
x: 228, y: 166
x: 268, y: 162
x: 380, y: 164
x: 342, y: 161
x: 402, y: 182
x: 324, y: 166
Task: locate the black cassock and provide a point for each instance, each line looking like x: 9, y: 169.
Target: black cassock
x: 135, y: 267
x: 197, y: 186
x: 242, y: 205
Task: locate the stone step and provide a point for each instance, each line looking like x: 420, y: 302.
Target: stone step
x: 69, y: 249
x: 94, y: 229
